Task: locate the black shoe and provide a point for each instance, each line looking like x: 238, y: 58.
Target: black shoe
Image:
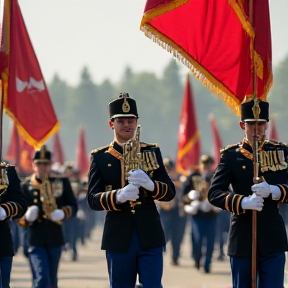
x: 174, y: 262
x: 220, y: 258
x: 207, y: 270
x: 197, y: 264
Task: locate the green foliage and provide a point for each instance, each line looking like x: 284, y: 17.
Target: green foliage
x: 159, y: 102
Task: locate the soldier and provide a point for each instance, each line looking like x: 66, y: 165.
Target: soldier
x: 203, y: 214
x: 133, y: 237
x: 236, y: 168
x: 50, y: 202
x: 12, y: 204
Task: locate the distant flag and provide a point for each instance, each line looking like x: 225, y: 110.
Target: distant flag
x: 58, y: 153
x: 82, y: 156
x: 26, y: 97
x: 189, y: 146
x: 217, y: 143
x: 273, y: 134
x: 20, y: 153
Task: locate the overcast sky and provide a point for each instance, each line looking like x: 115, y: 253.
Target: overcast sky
x: 104, y: 35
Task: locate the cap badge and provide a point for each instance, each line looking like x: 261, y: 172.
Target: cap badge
x: 125, y: 106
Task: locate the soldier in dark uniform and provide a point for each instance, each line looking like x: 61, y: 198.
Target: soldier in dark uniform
x: 12, y: 205
x: 50, y: 201
x: 236, y: 168
x: 133, y: 236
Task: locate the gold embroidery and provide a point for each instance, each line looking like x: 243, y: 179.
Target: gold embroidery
x: 166, y: 190
x: 246, y: 153
x: 101, y: 201
x: 227, y: 202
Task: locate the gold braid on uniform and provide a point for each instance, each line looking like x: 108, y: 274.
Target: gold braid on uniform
x: 11, y: 208
x: 160, y: 190
x: 108, y: 200
x: 233, y: 204
x: 283, y: 188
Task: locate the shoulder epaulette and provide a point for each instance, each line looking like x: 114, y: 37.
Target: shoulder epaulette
x: 143, y: 144
x: 275, y: 143
x: 229, y: 147
x: 99, y: 149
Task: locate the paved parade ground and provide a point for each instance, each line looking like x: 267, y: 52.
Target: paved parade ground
x: 90, y: 270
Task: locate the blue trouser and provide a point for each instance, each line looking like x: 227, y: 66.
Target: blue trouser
x: 5, y: 271
x: 44, y: 262
x: 123, y: 267
x: 203, y: 227
x: 270, y: 271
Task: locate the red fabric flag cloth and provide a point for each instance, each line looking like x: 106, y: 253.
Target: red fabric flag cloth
x: 26, y: 97
x: 213, y: 39
x: 217, y: 143
x: 20, y: 153
x: 82, y: 156
x: 273, y: 134
x: 189, y: 146
x: 58, y: 152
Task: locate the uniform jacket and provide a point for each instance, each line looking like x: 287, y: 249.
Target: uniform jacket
x: 44, y: 232
x: 236, y: 168
x: 106, y: 176
x: 13, y: 202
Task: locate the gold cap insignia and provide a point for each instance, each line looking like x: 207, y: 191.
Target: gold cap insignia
x: 125, y: 106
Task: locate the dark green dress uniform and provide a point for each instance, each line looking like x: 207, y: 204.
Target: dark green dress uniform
x: 14, y: 203
x: 44, y: 232
x: 106, y: 176
x: 236, y: 167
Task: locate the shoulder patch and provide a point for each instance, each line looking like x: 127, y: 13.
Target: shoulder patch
x: 229, y: 147
x: 99, y: 149
x: 143, y: 144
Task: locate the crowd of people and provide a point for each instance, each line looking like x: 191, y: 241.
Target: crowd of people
x: 148, y: 205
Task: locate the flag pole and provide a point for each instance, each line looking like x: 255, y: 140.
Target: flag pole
x: 256, y: 161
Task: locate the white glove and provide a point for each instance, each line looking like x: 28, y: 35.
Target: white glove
x: 264, y: 189
x: 57, y: 215
x: 193, y: 195
x: 140, y: 178
x: 129, y: 192
x: 192, y: 208
x: 252, y: 202
x: 3, y: 214
x: 205, y: 206
x: 32, y: 213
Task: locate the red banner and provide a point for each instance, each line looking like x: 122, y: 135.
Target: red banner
x: 217, y: 143
x: 213, y: 39
x: 58, y: 152
x: 189, y: 146
x: 26, y: 97
x: 82, y: 156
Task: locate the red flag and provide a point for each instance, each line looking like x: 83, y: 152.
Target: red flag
x: 13, y: 153
x: 217, y: 143
x: 26, y: 97
x: 213, y: 39
x: 58, y: 153
x: 189, y: 147
x: 20, y: 153
x: 82, y: 156
x: 273, y: 134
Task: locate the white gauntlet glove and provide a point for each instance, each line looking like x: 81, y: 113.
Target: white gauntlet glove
x: 193, y: 195
x: 57, y: 215
x: 32, y: 213
x: 140, y: 178
x: 129, y: 192
x: 252, y: 202
x: 3, y: 214
x: 193, y: 208
x: 264, y: 189
x: 205, y: 206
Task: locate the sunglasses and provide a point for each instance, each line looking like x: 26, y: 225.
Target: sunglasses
x: 42, y: 164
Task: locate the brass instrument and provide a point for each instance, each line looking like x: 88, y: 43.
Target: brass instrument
x: 47, y: 198
x: 4, y: 181
x: 201, y: 185
x: 133, y: 159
